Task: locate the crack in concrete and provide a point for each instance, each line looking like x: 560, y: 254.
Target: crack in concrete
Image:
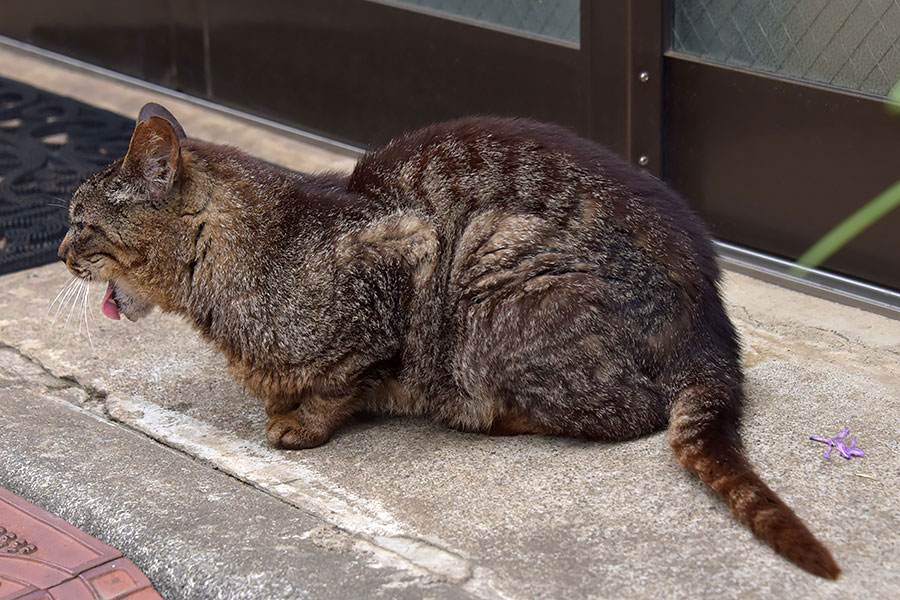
x: 96, y: 398
x: 92, y: 392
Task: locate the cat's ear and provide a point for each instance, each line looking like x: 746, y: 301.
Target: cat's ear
x: 152, y: 109
x: 154, y: 154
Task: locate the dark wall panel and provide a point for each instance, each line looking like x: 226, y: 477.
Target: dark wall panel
x: 135, y: 38
x: 350, y: 69
x: 774, y: 165
x: 362, y: 71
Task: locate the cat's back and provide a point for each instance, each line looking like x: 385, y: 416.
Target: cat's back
x: 457, y: 155
x: 478, y: 162
x: 479, y: 138
x: 475, y: 176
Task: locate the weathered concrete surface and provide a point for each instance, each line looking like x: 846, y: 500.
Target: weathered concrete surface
x: 534, y: 517
x: 196, y: 532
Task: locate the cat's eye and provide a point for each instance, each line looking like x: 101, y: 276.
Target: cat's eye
x: 78, y: 226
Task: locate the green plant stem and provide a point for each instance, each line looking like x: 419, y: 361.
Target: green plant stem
x: 893, y: 103
x: 852, y: 226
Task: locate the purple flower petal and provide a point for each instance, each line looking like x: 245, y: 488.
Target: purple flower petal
x: 843, y: 449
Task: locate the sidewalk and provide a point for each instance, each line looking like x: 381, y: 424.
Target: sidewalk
x: 139, y: 436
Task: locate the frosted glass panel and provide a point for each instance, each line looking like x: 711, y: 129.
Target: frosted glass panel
x: 852, y: 44
x: 556, y: 19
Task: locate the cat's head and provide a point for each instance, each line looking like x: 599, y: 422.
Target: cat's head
x: 123, y: 220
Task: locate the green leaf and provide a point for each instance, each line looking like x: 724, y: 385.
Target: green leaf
x: 893, y: 102
x: 852, y: 226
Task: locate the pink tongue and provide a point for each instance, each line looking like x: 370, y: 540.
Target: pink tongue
x: 109, y: 305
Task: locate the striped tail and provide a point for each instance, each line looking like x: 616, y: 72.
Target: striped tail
x: 704, y: 436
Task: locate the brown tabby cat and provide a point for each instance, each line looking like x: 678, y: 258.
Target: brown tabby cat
x: 499, y: 275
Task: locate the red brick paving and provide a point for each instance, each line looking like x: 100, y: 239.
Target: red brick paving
x: 44, y: 558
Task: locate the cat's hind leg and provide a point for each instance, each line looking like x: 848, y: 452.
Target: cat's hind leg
x: 557, y: 361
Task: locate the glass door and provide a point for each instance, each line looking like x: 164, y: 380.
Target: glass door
x: 779, y: 127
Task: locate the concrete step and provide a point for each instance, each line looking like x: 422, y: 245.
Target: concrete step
x: 195, y: 531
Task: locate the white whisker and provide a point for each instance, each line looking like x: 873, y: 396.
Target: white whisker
x: 70, y: 290
x: 92, y: 317
x: 61, y: 291
x: 60, y: 202
x: 84, y: 312
x: 80, y: 303
x: 74, y: 302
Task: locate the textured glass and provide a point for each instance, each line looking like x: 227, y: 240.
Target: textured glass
x: 853, y: 44
x: 556, y: 19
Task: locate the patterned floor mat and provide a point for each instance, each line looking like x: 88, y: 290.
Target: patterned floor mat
x: 49, y: 144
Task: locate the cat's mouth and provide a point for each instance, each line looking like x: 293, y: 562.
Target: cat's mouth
x: 118, y: 302
x: 110, y: 306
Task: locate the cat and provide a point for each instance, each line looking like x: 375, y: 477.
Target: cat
x: 499, y: 275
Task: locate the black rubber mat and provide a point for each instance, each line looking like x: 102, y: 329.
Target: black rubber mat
x: 49, y: 144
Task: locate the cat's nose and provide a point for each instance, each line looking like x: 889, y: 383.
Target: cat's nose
x: 64, y: 247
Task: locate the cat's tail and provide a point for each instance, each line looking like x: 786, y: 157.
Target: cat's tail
x: 704, y: 436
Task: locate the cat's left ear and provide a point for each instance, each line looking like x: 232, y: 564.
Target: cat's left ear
x: 154, y: 154
x: 152, y: 109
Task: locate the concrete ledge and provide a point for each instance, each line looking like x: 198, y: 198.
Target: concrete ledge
x: 196, y: 532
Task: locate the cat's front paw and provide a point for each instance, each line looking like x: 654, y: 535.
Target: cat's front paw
x: 287, y: 431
